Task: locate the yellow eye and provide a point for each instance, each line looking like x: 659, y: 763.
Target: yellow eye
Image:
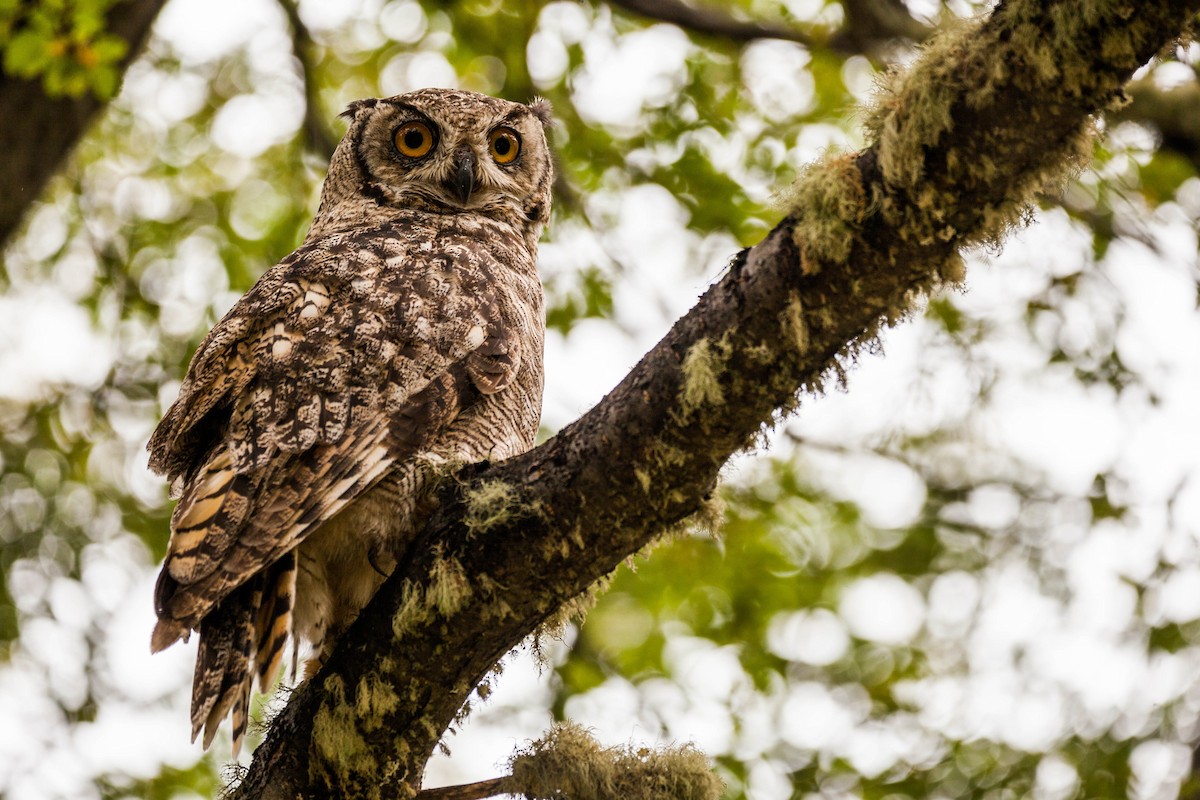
x: 504, y: 145
x: 413, y: 139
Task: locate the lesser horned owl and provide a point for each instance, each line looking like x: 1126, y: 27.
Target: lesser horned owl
x: 405, y: 331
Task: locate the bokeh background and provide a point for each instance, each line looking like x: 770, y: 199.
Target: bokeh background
x: 971, y: 570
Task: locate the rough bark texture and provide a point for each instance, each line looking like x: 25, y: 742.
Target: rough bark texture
x: 39, y: 131
x: 983, y: 120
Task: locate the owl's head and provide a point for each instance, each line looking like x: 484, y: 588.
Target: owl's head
x: 443, y: 151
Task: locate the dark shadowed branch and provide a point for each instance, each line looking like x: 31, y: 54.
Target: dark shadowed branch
x: 316, y: 129
x: 869, y: 25
x: 1174, y: 114
x: 710, y: 20
x: 959, y: 150
x: 872, y: 24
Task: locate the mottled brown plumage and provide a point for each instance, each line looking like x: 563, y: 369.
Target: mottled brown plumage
x: 405, y: 332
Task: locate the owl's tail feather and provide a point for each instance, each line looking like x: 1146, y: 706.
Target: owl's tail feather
x: 206, y: 523
x: 166, y: 633
x: 274, y: 620
x: 223, y: 664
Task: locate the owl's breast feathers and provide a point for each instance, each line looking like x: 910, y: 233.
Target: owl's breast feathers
x: 352, y: 355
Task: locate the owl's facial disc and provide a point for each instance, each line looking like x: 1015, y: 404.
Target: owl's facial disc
x: 462, y: 177
x: 447, y: 151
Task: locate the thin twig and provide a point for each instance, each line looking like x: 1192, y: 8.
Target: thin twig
x: 320, y: 139
x: 471, y: 791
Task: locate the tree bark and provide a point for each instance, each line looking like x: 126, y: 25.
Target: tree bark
x: 39, y: 132
x: 987, y: 117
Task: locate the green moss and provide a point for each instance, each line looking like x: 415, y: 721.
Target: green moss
x: 489, y: 503
x: 912, y: 112
x: 449, y: 589
x: 643, y: 478
x: 341, y: 756
x: 568, y: 762
x: 707, y: 518
x: 495, y: 607
x: 665, y: 456
x: 702, y: 368
x: 555, y: 625
x: 374, y: 699
x: 430, y: 729
x: 829, y: 204
x: 795, y: 328
x: 413, y: 610
x: 967, y: 64
x: 914, y: 119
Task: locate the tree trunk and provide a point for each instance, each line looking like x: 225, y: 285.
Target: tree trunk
x: 39, y: 131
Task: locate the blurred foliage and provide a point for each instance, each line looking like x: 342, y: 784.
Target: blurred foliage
x: 63, y: 43
x: 199, y: 177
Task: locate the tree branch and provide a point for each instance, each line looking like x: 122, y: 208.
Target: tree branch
x: 39, y: 131
x: 709, y: 21
x: 870, y: 24
x: 471, y: 791
x: 320, y: 139
x: 1174, y: 112
x: 960, y: 147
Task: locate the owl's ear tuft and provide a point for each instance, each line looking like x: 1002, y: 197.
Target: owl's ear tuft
x: 353, y: 108
x: 541, y: 109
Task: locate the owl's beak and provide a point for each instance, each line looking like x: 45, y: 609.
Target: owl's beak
x: 462, y: 180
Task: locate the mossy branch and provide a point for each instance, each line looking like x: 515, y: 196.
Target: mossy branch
x: 569, y: 762
x: 989, y: 115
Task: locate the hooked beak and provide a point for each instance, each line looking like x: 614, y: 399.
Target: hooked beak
x: 462, y: 180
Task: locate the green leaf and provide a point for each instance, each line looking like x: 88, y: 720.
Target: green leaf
x: 104, y: 81
x: 26, y: 54
x: 1162, y: 176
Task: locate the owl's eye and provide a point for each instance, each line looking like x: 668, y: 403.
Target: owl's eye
x: 413, y: 139
x: 504, y: 145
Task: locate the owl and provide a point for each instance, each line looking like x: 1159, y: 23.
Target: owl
x: 404, y: 333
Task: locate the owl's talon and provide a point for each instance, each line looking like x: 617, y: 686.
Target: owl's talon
x: 374, y: 566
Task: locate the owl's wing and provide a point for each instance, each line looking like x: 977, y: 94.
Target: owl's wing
x: 342, y: 360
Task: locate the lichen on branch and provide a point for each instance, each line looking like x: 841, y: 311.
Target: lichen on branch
x: 569, y: 762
